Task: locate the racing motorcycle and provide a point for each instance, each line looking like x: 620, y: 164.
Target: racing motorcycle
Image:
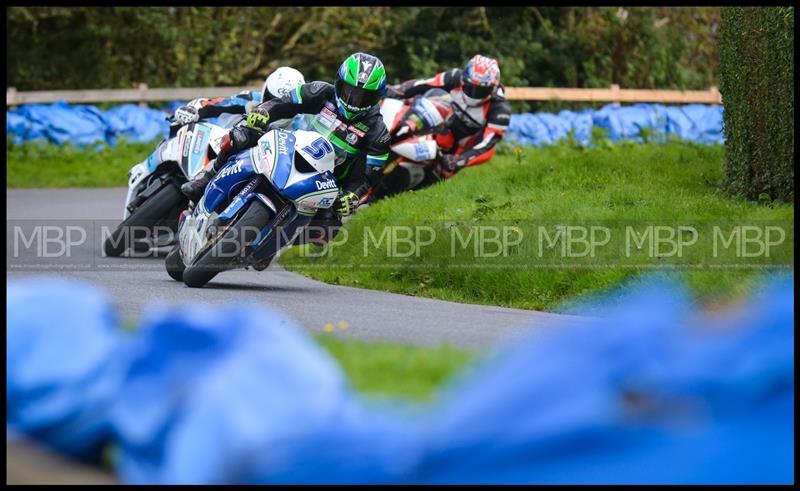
x: 154, y: 198
x: 258, y: 202
x: 413, y: 125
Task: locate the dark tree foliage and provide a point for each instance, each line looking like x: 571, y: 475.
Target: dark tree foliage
x: 116, y: 47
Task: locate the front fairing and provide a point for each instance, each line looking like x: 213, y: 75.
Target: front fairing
x: 228, y: 182
x: 325, y: 125
x: 275, y: 156
x: 189, y: 148
x: 416, y: 149
x: 391, y: 110
x: 425, y: 114
x: 284, y: 163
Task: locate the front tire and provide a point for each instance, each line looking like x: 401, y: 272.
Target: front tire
x: 174, y: 264
x: 147, y: 214
x: 220, y: 254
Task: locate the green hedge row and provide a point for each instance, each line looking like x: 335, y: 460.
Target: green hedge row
x: 757, y: 86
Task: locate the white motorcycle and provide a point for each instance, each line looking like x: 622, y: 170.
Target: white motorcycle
x: 154, y: 198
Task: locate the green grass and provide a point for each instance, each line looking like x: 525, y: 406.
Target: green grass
x: 388, y: 369
x: 384, y: 369
x: 43, y: 165
x: 613, y: 185
x: 675, y: 183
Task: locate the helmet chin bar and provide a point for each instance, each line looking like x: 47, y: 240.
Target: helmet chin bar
x: 346, y: 110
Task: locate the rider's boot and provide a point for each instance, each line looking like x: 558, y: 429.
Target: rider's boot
x: 239, y: 138
x: 195, y: 188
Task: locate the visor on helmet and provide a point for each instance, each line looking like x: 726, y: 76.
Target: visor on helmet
x: 476, y: 91
x: 356, y: 99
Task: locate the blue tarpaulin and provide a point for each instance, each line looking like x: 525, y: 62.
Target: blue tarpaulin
x: 62, y: 122
x: 650, y: 390
x: 81, y: 125
x: 693, y: 122
x: 62, y: 364
x: 136, y: 123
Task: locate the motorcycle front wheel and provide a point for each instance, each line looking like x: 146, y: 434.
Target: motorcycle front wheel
x: 174, y: 264
x: 237, y: 238
x: 147, y: 214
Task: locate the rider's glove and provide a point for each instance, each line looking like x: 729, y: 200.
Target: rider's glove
x: 346, y: 203
x: 186, y: 115
x: 258, y: 119
x: 393, y: 92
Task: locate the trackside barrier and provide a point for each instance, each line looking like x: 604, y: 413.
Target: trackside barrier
x: 143, y: 94
x: 62, y: 122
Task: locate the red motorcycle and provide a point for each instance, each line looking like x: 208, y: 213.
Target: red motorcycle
x: 413, y: 126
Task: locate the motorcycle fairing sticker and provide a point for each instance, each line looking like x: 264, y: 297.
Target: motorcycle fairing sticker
x: 283, y: 166
x: 319, y: 184
x: 237, y: 169
x: 201, y: 137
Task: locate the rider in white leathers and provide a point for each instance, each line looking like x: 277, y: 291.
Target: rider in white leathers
x: 278, y: 83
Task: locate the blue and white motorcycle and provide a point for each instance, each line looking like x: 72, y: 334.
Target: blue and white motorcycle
x: 255, y: 206
x: 154, y: 199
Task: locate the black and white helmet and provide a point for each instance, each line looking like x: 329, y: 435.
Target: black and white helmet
x: 280, y: 82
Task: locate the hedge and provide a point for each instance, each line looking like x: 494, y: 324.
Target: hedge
x: 757, y: 86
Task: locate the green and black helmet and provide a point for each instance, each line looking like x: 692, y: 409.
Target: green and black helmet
x: 360, y: 84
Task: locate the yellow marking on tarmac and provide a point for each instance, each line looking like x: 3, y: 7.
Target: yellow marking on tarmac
x: 343, y: 325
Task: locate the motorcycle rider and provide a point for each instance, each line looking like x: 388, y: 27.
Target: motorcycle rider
x: 480, y: 112
x: 347, y: 112
x: 279, y: 82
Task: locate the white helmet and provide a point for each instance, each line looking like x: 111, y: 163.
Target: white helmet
x: 280, y: 82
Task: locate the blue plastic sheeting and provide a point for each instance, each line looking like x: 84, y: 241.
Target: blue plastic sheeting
x: 136, y: 123
x: 85, y: 125
x: 61, y: 122
x: 651, y: 391
x: 693, y: 122
x: 57, y: 122
x: 62, y: 363
x: 244, y: 384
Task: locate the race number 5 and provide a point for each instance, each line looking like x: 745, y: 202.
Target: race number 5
x: 319, y: 148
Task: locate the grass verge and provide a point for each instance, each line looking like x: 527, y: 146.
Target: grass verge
x: 384, y: 369
x: 389, y: 369
x: 43, y: 165
x: 620, y: 187
x: 612, y: 185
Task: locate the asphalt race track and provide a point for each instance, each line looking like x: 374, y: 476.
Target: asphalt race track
x: 137, y: 283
